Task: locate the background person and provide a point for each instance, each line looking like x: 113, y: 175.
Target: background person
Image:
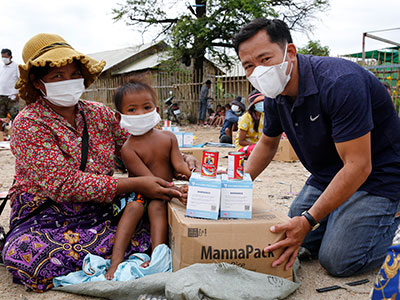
x: 234, y: 110
x: 341, y: 122
x: 203, y: 102
x: 8, y: 94
x: 61, y: 211
x: 250, y: 125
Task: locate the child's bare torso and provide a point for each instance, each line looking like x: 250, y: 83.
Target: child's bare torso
x: 154, y: 149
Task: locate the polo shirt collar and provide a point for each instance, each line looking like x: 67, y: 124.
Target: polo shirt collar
x: 307, y: 85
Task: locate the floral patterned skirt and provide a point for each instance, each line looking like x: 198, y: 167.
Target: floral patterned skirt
x: 54, y: 242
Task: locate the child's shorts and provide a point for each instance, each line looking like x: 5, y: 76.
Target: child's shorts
x: 121, y: 202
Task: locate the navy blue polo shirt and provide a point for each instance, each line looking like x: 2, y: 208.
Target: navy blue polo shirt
x: 338, y: 101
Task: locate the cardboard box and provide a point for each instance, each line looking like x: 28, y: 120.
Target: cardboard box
x: 1, y: 136
x: 235, y: 241
x: 204, y: 196
x: 236, y: 197
x: 196, y: 152
x: 285, y: 152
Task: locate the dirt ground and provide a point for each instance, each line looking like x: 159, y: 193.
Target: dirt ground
x: 277, y: 185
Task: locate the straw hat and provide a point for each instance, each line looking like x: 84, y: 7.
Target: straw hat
x: 255, y: 97
x: 51, y: 49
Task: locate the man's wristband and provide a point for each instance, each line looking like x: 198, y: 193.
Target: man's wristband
x: 314, y: 224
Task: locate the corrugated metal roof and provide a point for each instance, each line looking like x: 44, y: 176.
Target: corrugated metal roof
x: 147, y: 62
x: 114, y: 57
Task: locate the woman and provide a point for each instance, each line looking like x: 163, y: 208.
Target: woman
x: 68, y: 202
x: 250, y: 125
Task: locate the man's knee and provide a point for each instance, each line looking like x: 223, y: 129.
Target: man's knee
x: 338, y: 261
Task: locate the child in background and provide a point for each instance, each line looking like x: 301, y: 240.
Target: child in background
x: 147, y: 152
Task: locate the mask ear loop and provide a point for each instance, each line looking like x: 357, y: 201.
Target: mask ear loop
x: 284, y: 56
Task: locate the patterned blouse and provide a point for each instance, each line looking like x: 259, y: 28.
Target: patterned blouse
x: 48, y: 153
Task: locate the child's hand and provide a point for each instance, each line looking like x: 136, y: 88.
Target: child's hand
x: 184, y: 191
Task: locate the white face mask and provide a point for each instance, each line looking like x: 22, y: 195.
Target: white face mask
x: 271, y: 80
x: 64, y: 93
x: 6, y: 60
x: 140, y: 124
x: 235, y: 108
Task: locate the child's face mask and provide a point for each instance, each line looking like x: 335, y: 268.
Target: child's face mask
x: 140, y: 124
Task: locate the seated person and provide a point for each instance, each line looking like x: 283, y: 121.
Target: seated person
x: 136, y: 103
x: 213, y: 114
x: 220, y: 118
x: 61, y: 207
x: 236, y: 109
x: 250, y: 125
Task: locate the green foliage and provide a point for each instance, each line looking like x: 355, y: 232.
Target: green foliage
x: 207, y: 26
x: 314, y: 48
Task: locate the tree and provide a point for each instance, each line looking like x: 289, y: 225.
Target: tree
x: 314, y: 48
x: 207, y: 27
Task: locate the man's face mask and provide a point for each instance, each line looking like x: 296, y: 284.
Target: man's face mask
x: 271, y: 80
x: 6, y: 60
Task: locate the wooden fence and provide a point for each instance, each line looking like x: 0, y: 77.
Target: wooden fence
x: 185, y: 88
x: 183, y: 85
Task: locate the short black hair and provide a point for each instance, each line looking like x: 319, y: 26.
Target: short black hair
x: 133, y: 85
x: 277, y: 30
x: 6, y: 51
x: 208, y: 81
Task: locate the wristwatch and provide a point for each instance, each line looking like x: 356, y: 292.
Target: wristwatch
x: 314, y: 224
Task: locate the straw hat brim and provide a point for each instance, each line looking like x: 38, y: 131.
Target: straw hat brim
x: 56, y: 57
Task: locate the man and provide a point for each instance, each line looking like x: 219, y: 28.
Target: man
x: 8, y: 94
x: 342, y: 124
x: 203, y: 101
x: 231, y: 118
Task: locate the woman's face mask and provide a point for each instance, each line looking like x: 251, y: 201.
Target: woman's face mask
x: 259, y: 106
x: 140, y: 124
x: 64, y: 93
x: 271, y: 80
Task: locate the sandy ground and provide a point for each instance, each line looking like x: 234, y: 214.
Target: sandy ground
x: 277, y: 185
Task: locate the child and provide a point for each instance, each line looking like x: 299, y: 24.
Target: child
x: 147, y: 151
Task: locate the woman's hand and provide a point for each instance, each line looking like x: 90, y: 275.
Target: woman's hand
x: 157, y: 188
x: 149, y: 186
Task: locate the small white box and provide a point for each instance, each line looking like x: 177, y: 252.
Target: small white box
x: 236, y: 197
x: 204, y: 197
x: 173, y: 129
x: 188, y: 139
x: 179, y: 138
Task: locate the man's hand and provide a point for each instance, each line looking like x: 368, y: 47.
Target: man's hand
x: 296, y: 230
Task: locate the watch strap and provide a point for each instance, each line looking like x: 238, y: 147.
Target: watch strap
x: 310, y: 218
